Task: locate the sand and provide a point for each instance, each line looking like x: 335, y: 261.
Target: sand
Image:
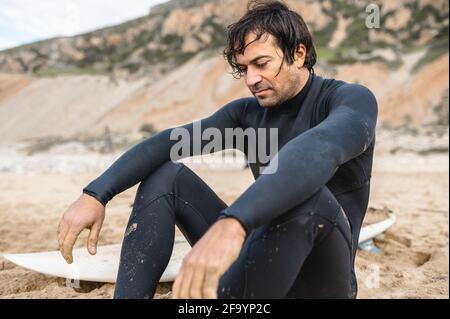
x: 414, y: 261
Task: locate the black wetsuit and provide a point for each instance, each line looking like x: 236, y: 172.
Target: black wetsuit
x: 299, y: 243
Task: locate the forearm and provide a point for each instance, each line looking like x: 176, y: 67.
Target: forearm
x: 131, y: 168
x: 143, y: 159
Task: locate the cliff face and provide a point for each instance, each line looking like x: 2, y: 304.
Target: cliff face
x: 166, y: 68
x: 174, y: 32
x: 169, y: 36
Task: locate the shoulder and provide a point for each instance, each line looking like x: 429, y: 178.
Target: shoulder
x: 353, y: 95
x: 337, y: 88
x: 354, y: 90
x: 243, y: 106
x: 245, y: 101
x: 242, y: 111
x: 341, y: 95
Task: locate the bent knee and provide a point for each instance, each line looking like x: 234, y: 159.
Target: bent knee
x: 159, y: 183
x: 322, y: 204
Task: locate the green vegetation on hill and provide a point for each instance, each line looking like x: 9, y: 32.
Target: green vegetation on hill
x: 135, y: 47
x: 438, y: 47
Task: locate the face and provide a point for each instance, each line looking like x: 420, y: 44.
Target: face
x: 261, y: 62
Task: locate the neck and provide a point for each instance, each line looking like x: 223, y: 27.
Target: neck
x: 304, y: 76
x: 295, y: 102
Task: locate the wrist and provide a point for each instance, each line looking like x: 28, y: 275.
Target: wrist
x: 233, y: 225
x: 90, y: 199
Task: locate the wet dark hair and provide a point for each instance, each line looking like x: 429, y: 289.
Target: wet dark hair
x: 275, y: 18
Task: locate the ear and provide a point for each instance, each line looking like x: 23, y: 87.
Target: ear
x: 300, y: 56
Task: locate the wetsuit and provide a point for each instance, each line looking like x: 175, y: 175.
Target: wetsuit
x: 302, y: 221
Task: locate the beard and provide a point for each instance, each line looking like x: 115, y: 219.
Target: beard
x: 272, y: 99
x: 277, y: 94
x: 267, y: 102
x: 269, y: 99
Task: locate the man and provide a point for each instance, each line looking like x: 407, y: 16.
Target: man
x: 293, y: 232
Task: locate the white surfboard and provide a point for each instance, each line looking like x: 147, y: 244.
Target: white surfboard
x: 103, y: 266
x: 371, y: 231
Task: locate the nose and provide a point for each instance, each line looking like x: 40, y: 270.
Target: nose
x: 252, y: 77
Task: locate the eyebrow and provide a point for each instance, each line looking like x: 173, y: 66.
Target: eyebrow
x: 256, y: 59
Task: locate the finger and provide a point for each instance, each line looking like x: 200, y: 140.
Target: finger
x: 185, y: 282
x: 68, y: 244
x: 93, y: 238
x: 195, y: 290
x: 176, y: 284
x: 210, y: 284
x: 62, y: 233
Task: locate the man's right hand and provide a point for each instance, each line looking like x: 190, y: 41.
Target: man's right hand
x: 85, y: 213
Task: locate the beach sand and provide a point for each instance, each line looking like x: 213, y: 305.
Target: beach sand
x: 414, y: 261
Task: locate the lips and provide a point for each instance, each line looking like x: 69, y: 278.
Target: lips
x: 262, y: 91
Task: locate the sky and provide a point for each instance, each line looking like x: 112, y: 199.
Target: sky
x: 25, y: 21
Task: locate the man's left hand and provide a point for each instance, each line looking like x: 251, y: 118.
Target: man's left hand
x: 208, y: 260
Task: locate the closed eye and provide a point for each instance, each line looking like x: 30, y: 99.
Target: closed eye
x: 261, y: 65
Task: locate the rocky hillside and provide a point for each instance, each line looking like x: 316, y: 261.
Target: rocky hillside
x: 176, y: 31
x: 169, y: 36
x: 166, y: 68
